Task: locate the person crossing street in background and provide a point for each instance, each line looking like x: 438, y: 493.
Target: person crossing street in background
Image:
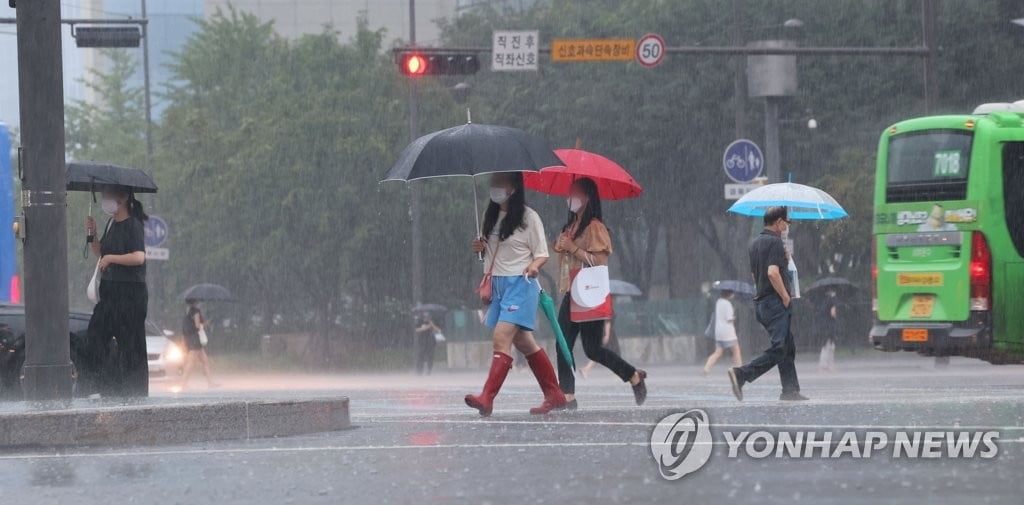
x: 773, y: 303
x: 725, y: 332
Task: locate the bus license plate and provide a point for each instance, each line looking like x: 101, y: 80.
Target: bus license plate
x: 922, y: 305
x: 915, y: 335
x: 919, y: 279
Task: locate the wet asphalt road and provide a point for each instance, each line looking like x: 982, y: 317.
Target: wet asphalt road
x: 415, y: 442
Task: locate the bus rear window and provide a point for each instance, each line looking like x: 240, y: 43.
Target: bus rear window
x: 928, y: 166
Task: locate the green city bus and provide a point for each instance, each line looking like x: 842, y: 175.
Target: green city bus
x: 948, y: 235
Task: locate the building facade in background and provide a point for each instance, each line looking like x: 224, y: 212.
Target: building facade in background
x: 293, y: 18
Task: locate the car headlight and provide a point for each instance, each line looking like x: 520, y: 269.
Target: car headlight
x: 173, y: 353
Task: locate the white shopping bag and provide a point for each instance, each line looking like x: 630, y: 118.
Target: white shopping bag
x: 591, y: 286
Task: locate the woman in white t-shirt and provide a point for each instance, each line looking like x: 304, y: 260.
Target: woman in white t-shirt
x: 514, y: 247
x: 725, y: 332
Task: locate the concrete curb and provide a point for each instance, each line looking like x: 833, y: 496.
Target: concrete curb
x: 174, y: 423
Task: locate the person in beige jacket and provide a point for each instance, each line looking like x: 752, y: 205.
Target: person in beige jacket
x: 585, y: 241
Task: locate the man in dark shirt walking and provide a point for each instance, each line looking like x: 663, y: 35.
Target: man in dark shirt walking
x: 768, y: 264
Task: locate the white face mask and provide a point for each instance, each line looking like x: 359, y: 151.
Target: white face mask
x: 499, y: 195
x: 575, y: 204
x: 109, y: 206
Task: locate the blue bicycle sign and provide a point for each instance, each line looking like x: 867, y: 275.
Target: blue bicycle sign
x: 743, y: 161
x: 155, y: 231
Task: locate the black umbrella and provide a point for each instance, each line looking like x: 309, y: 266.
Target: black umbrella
x: 92, y: 176
x: 208, y: 292
x: 742, y: 289
x: 430, y: 307
x: 623, y: 288
x: 470, y: 150
x: 836, y: 283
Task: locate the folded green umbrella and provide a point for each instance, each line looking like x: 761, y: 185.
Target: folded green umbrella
x: 548, y: 306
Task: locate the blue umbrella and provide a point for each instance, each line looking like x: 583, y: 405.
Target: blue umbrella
x: 804, y: 202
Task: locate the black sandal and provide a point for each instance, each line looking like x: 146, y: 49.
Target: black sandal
x: 640, y: 389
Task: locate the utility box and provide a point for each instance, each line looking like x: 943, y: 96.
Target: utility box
x: 771, y: 75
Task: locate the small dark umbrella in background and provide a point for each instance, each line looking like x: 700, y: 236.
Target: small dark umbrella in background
x: 838, y: 284
x: 430, y: 307
x: 437, y: 312
x: 742, y: 289
x: 623, y: 288
x: 208, y: 293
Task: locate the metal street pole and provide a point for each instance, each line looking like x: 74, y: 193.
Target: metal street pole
x: 773, y: 163
x: 44, y: 200
x: 156, y: 267
x: 931, y: 84
x: 414, y: 206
x: 739, y: 83
x: 145, y: 79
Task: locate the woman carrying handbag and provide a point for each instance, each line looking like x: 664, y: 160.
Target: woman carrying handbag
x: 515, y: 248
x: 194, y: 330
x: 117, y: 329
x: 585, y: 242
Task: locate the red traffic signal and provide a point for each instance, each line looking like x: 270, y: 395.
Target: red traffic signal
x: 437, y: 63
x: 413, y: 64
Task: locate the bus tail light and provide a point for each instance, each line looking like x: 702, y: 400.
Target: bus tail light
x: 874, y: 274
x: 981, y: 273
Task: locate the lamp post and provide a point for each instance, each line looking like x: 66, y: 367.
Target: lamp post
x: 415, y: 204
x: 773, y: 77
x: 47, y: 369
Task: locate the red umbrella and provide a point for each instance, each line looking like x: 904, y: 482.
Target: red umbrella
x: 613, y: 182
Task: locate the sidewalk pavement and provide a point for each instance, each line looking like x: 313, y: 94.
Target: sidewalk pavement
x: 160, y: 421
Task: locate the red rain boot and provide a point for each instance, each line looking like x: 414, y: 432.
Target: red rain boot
x: 545, y: 374
x: 500, y: 365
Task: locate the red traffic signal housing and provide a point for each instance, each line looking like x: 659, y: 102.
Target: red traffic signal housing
x: 416, y: 63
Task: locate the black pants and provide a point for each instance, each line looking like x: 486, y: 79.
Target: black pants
x: 425, y: 343
x: 777, y: 319
x: 117, y: 341
x: 591, y: 333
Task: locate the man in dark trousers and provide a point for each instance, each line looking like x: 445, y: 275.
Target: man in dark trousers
x: 768, y: 264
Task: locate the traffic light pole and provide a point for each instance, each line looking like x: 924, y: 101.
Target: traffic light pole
x: 44, y: 199
x: 415, y: 204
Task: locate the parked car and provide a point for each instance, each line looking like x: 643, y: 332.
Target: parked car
x: 164, y: 355
x: 12, y: 345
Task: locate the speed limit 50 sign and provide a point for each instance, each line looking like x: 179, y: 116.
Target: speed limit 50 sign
x: 650, y: 50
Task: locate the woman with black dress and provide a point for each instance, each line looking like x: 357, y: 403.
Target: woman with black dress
x: 194, y: 347
x: 117, y: 329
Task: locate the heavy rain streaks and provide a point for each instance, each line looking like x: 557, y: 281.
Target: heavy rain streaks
x: 334, y: 308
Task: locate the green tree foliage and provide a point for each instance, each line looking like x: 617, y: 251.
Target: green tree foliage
x: 273, y: 150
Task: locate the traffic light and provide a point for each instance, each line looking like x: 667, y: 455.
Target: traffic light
x: 417, y: 63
